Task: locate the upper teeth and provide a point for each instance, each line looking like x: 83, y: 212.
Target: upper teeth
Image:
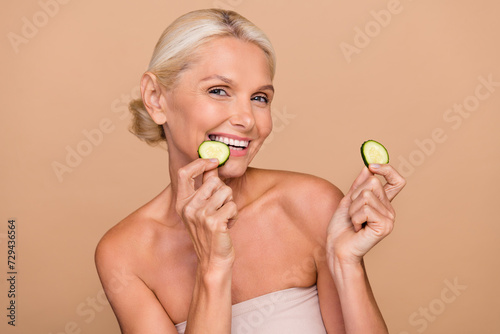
x: 230, y: 141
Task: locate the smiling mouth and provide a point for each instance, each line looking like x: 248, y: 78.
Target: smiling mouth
x: 234, y: 144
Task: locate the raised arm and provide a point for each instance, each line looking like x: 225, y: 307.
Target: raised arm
x: 207, y: 213
x: 363, y: 217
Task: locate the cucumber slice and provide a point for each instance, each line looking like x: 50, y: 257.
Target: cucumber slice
x: 214, y: 149
x: 374, y: 153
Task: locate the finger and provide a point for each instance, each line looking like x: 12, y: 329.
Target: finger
x: 360, y: 217
x: 219, y: 197
x: 203, y: 194
x: 368, y: 199
x: 395, y: 182
x: 341, y: 218
x: 378, y: 224
x: 188, y: 173
x: 194, y: 204
x: 373, y: 185
x: 362, y: 177
x: 210, y: 173
x: 228, y: 212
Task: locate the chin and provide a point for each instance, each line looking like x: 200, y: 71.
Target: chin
x: 232, y: 170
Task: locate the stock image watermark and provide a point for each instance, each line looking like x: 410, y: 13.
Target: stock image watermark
x: 454, y: 118
x: 364, y: 35
x: 422, y: 318
x: 281, y: 119
x: 294, y: 273
x: 262, y: 309
x: 31, y: 24
x: 12, y: 271
x: 92, y: 138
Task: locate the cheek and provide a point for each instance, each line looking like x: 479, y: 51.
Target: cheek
x: 207, y: 112
x: 265, y: 124
x: 194, y: 116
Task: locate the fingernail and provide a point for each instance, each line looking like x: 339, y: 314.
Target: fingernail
x: 213, y: 160
x: 375, y: 166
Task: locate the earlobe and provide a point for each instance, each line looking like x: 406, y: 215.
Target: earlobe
x: 152, y: 98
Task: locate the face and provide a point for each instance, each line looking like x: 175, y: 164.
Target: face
x: 225, y: 95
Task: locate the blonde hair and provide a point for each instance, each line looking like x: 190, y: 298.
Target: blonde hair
x: 176, y: 49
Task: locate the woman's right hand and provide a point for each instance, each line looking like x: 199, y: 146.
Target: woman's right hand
x: 207, y: 212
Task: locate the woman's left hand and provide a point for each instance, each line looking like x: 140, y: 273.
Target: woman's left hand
x: 368, y: 201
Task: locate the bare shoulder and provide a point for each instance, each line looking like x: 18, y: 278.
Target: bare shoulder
x: 305, y: 196
x: 129, y: 240
x: 115, y: 259
x: 118, y: 242
x: 118, y: 260
x: 302, y: 188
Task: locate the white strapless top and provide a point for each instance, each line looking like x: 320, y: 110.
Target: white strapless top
x: 291, y: 311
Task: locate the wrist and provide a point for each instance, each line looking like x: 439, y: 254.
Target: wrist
x: 340, y: 259
x: 212, y: 276
x: 345, y: 269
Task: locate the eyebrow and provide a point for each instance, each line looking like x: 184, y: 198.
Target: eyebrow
x: 230, y: 82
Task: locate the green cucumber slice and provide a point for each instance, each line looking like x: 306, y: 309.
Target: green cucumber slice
x: 210, y: 149
x: 373, y: 152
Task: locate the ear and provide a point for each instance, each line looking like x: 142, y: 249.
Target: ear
x: 151, y: 91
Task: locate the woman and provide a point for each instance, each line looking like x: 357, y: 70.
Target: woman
x: 264, y: 241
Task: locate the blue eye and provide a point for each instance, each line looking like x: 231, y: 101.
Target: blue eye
x: 260, y: 98
x: 218, y: 91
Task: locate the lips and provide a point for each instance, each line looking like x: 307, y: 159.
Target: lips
x: 233, y: 143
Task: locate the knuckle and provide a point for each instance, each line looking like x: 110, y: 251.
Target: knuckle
x: 231, y: 205
x: 209, y: 220
x: 403, y: 182
x: 366, y: 194
x: 230, y: 210
x: 366, y: 209
x: 188, y: 212
x: 391, y: 214
x: 213, y: 180
x: 384, y: 230
x: 228, y: 192
x: 182, y: 173
x: 374, y: 182
x: 389, y: 227
x: 351, y: 211
x: 211, y: 223
x: 379, y: 232
x: 210, y: 178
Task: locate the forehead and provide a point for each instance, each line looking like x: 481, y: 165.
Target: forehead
x: 233, y: 58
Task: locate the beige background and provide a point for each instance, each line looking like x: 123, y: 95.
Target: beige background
x: 75, y: 72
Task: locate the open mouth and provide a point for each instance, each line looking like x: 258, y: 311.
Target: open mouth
x: 234, y: 144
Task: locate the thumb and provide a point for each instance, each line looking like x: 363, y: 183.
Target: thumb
x: 210, y: 173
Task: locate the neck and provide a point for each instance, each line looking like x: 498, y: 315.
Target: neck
x: 237, y: 184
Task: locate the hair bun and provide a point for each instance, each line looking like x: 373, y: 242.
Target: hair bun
x: 143, y: 125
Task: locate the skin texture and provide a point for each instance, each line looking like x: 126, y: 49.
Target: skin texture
x: 218, y: 236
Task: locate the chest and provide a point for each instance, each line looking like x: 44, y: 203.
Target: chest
x: 272, y: 254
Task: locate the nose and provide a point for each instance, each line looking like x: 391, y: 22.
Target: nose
x: 243, y: 116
